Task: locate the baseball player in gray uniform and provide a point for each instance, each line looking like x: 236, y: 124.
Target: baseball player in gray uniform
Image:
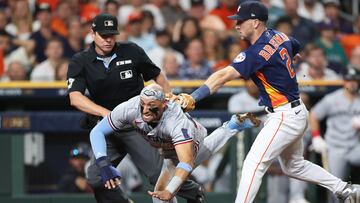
x: 342, y: 110
x: 183, y: 141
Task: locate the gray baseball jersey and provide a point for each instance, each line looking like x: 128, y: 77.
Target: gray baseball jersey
x: 339, y: 112
x: 174, y: 127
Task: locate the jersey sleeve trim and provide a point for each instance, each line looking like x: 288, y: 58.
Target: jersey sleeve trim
x: 183, y: 141
x: 112, y: 123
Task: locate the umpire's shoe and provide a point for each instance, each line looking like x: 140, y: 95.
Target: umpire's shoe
x: 350, y: 194
x: 242, y: 121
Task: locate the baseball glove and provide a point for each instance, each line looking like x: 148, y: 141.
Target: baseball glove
x: 186, y: 102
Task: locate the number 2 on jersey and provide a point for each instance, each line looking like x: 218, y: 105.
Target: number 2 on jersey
x: 285, y: 55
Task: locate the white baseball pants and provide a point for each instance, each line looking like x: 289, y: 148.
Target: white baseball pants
x: 281, y: 137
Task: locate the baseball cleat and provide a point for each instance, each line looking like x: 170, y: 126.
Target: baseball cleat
x: 350, y: 194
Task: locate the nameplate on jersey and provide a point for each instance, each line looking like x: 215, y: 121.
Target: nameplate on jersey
x: 126, y: 74
x: 119, y: 63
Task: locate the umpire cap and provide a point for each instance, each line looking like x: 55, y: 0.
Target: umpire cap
x: 250, y: 10
x: 352, y: 74
x: 105, y: 24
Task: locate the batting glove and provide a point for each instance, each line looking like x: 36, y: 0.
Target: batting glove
x: 107, y: 171
x: 319, y: 145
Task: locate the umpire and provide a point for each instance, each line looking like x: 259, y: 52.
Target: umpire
x: 114, y: 72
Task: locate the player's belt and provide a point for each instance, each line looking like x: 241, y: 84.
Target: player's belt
x: 293, y: 104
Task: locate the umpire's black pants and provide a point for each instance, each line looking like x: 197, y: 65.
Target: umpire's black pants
x: 146, y: 158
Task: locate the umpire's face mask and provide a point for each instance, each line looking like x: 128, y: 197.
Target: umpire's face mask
x: 151, y: 110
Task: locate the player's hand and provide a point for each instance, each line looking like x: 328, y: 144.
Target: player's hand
x: 112, y: 183
x: 170, y: 96
x: 319, y: 145
x: 163, y: 195
x: 110, y: 176
x: 186, y: 102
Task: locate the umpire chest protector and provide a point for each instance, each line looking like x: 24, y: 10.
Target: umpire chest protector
x: 115, y: 79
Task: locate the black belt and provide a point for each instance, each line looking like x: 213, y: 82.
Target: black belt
x: 293, y: 105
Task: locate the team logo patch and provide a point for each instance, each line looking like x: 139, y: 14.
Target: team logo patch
x: 240, y: 58
x: 108, y: 23
x: 126, y: 74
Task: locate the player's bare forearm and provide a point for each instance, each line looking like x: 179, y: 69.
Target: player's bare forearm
x: 84, y: 104
x: 163, y: 82
x: 220, y: 77
x: 185, y: 155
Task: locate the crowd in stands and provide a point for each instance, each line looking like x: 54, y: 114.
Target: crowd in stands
x: 188, y: 39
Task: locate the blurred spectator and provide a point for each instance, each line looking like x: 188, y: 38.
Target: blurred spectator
x: 355, y: 59
x: 225, y: 9
x: 74, y: 41
x: 230, y: 53
x: 312, y: 10
x: 3, y: 19
x: 342, y: 112
x: 315, y: 65
x: 172, y: 12
x: 197, y: 9
x: 349, y: 41
x: 45, y: 71
x: 10, y: 52
x: 61, y: 70
x: 88, y: 10
x: 148, y: 24
x: 332, y: 13
x: 186, y: 30
x: 275, y: 12
x: 45, y: 32
x: 15, y: 71
x: 52, y: 3
x: 21, y: 21
x: 136, y: 35
x: 61, y: 17
x: 157, y: 54
x: 304, y: 30
x: 137, y: 6
x: 334, y: 52
x: 195, y: 66
x: 111, y: 7
x: 171, y: 65
x: 214, y: 50
x: 74, y: 181
x: 283, y: 24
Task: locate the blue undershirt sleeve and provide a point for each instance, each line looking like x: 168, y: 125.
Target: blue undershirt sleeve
x: 97, y: 137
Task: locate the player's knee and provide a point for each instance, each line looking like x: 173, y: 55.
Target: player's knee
x: 292, y: 167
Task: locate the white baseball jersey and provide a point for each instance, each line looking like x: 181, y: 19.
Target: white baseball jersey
x: 174, y: 127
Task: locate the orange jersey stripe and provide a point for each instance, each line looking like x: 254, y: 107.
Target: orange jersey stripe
x: 277, y: 99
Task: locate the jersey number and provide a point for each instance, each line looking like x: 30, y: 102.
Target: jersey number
x: 285, y: 55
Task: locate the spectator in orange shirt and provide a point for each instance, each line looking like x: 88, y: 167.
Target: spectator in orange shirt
x: 225, y: 9
x: 350, y: 41
x: 60, y: 19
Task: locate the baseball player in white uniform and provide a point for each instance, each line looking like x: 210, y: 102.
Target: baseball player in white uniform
x: 341, y: 109
x: 183, y: 141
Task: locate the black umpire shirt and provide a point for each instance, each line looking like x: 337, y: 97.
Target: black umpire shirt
x: 121, y: 80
